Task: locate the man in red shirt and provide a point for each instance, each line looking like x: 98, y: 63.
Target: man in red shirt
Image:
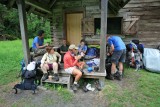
x: 71, y: 63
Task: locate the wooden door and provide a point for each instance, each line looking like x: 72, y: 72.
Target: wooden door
x: 73, y: 24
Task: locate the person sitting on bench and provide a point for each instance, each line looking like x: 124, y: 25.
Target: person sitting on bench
x: 38, y: 45
x: 64, y: 48
x: 49, y: 62
x: 82, y: 48
x: 71, y: 63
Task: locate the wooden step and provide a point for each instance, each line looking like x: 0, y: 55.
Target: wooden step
x: 62, y: 80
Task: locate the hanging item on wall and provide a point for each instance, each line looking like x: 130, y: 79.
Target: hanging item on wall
x: 88, y: 26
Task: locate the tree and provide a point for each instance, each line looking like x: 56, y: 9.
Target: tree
x: 9, y: 20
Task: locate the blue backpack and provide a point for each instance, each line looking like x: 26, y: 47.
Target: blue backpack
x: 91, y: 52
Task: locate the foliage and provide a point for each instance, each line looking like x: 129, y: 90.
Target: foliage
x: 9, y: 20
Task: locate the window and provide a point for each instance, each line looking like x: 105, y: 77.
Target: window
x: 114, y: 25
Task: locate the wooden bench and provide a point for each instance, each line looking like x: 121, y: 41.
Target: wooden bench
x: 65, y: 78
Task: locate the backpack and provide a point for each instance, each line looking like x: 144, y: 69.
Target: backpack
x: 92, y: 52
x: 28, y: 81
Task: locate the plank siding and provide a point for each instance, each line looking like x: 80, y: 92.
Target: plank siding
x: 91, y: 8
x: 148, y: 28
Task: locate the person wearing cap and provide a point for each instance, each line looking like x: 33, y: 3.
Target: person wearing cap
x: 49, y: 62
x: 38, y: 45
x: 71, y: 63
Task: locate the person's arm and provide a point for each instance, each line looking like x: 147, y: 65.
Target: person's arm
x: 43, y: 58
x: 111, y: 46
x: 37, y: 43
x: 111, y: 49
x: 43, y: 46
x: 69, y: 61
x: 85, y: 49
x: 61, y: 50
x: 59, y: 56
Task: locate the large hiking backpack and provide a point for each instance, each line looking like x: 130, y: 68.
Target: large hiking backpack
x: 29, y: 78
x: 138, y: 45
x: 28, y: 82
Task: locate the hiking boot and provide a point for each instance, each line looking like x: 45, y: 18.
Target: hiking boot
x: 74, y: 87
x: 112, y: 77
x: 56, y: 78
x: 45, y: 76
x: 116, y: 74
x: 98, y: 86
x: 119, y: 77
x: 84, y: 87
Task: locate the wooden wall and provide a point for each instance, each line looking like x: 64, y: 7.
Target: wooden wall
x: 91, y: 9
x: 141, y: 19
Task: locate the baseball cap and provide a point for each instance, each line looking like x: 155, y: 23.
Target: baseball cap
x: 72, y: 46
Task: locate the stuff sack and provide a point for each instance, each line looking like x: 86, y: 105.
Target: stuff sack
x: 151, y: 59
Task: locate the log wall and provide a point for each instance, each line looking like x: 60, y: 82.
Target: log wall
x: 147, y: 27
x: 91, y: 9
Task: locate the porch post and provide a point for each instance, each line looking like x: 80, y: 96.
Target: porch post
x: 23, y: 28
x: 104, y: 9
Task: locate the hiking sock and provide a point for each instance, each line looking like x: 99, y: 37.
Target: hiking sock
x: 120, y: 72
x: 75, y: 82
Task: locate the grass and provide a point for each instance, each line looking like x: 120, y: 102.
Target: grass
x: 62, y: 91
x: 140, y: 89
x: 11, y: 54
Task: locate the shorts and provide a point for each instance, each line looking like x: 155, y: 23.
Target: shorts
x: 50, y: 66
x: 118, y: 56
x: 70, y: 69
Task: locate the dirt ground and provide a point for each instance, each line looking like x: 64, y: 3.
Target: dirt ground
x: 48, y: 98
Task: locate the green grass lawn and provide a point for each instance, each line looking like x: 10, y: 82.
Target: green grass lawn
x: 11, y: 54
x: 138, y: 89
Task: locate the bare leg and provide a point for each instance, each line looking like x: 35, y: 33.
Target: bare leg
x: 77, y: 73
x: 55, y: 67
x: 44, y: 68
x: 113, y: 68
x: 120, y: 67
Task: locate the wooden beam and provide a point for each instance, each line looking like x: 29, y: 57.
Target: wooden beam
x: 39, y: 6
x: 23, y: 27
x: 53, y: 2
x: 104, y: 10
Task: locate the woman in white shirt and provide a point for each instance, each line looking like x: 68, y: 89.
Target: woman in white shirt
x: 49, y: 62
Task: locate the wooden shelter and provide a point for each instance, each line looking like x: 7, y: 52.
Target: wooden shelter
x: 77, y: 19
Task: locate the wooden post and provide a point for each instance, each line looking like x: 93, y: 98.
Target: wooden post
x: 23, y: 27
x: 104, y: 9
